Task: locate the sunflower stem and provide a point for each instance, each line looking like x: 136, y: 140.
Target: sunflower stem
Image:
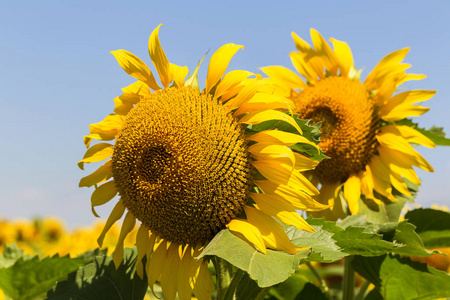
x: 224, y: 275
x: 348, y: 285
x: 323, y: 284
x: 233, y: 285
x: 362, y: 290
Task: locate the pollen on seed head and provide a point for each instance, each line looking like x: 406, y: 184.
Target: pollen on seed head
x: 349, y: 125
x: 181, y: 165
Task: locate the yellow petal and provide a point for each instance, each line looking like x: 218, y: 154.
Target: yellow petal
x: 100, y: 175
x: 96, y: 153
x: 303, y: 163
x: 400, y: 104
x: 324, y: 51
x: 247, y: 92
x: 407, y: 77
x: 142, y: 244
x: 262, y: 101
x: 127, y: 226
x: 105, y: 130
x: 367, y: 185
x: 344, y: 55
x: 300, y: 44
x: 231, y: 80
x: 157, y: 261
x: 159, y: 58
x: 295, y: 197
x: 281, y: 138
x: 305, y: 68
x: 384, y: 67
x: 283, y: 174
x: 381, y: 180
x: 192, y: 80
x: 103, y: 194
x: 352, y: 192
x: 249, y: 231
x: 398, y: 163
x: 183, y: 274
x: 281, y: 210
x: 114, y: 216
x: 271, y: 232
x: 285, y: 77
x: 270, y: 151
x: 137, y: 88
x: 135, y: 67
x: 204, y: 285
x: 178, y: 74
x: 219, y: 63
x: 262, y: 116
x: 398, y: 143
x: 121, y: 107
x: 169, y: 275
x: 408, y: 133
x: 329, y: 195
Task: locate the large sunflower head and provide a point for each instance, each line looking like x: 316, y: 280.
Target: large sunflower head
x: 186, y: 164
x: 364, y: 125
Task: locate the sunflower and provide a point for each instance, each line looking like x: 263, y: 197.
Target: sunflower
x: 364, y: 127
x: 186, y: 165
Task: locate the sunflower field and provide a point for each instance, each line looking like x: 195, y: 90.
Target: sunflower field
x: 231, y: 184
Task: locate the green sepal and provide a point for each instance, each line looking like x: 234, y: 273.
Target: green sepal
x: 192, y: 80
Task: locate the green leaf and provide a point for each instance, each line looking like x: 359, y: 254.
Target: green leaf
x: 412, y: 244
x: 245, y: 257
x: 401, y: 278
x: 289, y: 288
x: 26, y: 279
x: 101, y: 280
x: 249, y: 289
x: 310, y: 291
x: 436, y: 134
x: 323, y: 246
x: 10, y: 255
x: 433, y: 226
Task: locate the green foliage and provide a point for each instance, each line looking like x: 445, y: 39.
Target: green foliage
x: 433, y: 226
x: 244, y: 256
x: 401, y: 278
x: 27, y: 278
x: 436, y: 134
x: 10, y: 255
x: 101, y: 280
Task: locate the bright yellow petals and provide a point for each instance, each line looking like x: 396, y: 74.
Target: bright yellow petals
x: 246, y: 93
x: 352, y: 192
x: 345, y: 57
x: 324, y: 51
x: 281, y: 210
x: 284, y: 77
x: 203, y: 285
x: 105, y: 130
x: 305, y: 68
x: 367, y: 185
x: 178, y: 74
x: 395, y: 142
x: 219, y: 63
x: 114, y: 216
x: 303, y: 163
x: 409, y: 134
x: 103, y: 194
x: 249, y: 231
x: 381, y: 180
x: 283, y: 174
x: 96, y: 153
x: 295, y: 197
x: 262, y: 101
x: 135, y: 67
x: 127, y: 227
x: 169, y: 274
x: 329, y: 195
x: 385, y: 68
x: 269, y: 151
x: 400, y: 106
x: 262, y: 116
x: 271, y: 232
x: 398, y: 164
x: 157, y: 261
x: 280, y: 138
x: 184, y: 273
x: 231, y: 80
x: 142, y: 244
x: 159, y: 58
x: 100, y: 175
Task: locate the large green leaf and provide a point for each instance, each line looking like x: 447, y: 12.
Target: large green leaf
x: 28, y: 278
x: 433, y: 226
x: 436, y: 134
x: 249, y: 289
x: 101, y: 280
x: 244, y: 256
x: 401, y: 278
x: 10, y: 255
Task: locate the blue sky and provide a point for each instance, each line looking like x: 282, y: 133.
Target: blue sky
x: 57, y: 76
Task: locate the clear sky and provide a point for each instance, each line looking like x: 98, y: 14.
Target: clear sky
x: 57, y: 76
